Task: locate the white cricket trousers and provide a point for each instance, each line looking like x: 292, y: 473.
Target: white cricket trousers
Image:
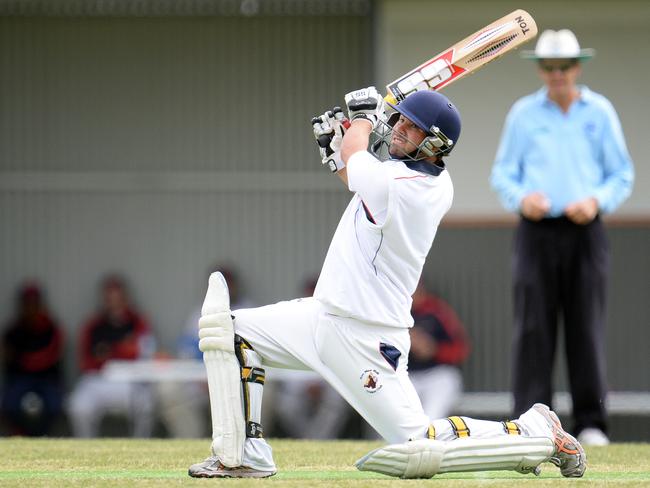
x: 439, y: 389
x: 347, y: 353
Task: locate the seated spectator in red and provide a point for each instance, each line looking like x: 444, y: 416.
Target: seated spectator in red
x: 439, y: 345
x: 32, y: 349
x: 116, y: 331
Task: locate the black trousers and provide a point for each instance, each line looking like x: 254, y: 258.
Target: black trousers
x: 561, y: 269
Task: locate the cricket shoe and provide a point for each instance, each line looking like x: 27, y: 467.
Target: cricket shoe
x: 569, y: 455
x: 213, y: 468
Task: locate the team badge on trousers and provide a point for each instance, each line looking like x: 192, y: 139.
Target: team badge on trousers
x: 370, y: 380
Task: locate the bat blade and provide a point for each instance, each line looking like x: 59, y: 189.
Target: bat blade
x: 467, y: 56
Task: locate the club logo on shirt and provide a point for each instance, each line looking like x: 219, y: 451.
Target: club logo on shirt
x: 370, y: 380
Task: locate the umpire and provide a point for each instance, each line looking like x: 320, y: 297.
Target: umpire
x: 561, y: 162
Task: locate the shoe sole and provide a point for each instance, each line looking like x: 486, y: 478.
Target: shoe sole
x: 234, y: 474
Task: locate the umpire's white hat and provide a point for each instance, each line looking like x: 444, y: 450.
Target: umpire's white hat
x: 561, y: 44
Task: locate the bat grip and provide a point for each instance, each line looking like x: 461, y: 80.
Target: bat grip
x: 340, y: 116
x: 390, y: 99
x: 324, y: 140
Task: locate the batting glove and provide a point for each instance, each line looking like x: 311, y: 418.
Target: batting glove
x: 329, y: 129
x: 366, y: 104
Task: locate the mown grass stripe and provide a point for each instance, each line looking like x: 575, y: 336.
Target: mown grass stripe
x: 127, y: 463
x: 288, y: 475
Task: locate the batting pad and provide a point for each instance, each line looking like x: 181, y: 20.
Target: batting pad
x: 216, y: 332
x: 425, y: 458
x: 217, y: 298
x: 414, y: 459
x: 226, y: 408
x: 217, y: 341
x: 517, y: 453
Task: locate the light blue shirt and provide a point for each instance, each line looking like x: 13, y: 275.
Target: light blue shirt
x: 567, y: 156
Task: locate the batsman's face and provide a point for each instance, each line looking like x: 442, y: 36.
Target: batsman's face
x: 405, y: 138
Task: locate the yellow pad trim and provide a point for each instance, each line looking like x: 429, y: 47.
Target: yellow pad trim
x: 511, y: 428
x: 459, y: 425
x: 431, y: 432
x: 253, y: 375
x: 241, y: 347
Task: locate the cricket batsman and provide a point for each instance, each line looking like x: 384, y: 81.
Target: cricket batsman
x: 354, y: 331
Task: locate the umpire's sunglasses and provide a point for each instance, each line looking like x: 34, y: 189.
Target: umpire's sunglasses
x: 549, y: 68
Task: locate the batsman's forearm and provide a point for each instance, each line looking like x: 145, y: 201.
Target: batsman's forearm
x: 356, y: 138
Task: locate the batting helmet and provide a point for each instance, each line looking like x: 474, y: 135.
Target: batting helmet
x: 436, y: 116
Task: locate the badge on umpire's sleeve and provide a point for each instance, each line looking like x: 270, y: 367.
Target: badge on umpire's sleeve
x: 370, y: 380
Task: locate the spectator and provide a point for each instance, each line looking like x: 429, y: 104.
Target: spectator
x: 562, y: 161
x: 116, y: 331
x: 184, y: 414
x: 439, y: 345
x: 32, y: 349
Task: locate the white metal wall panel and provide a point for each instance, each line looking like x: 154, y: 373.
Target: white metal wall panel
x: 158, y: 146
x: 157, y: 94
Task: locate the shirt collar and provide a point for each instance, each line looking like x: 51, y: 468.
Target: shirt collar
x: 586, y: 95
x: 424, y: 167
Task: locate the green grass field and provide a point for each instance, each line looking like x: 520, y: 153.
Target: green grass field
x: 155, y: 463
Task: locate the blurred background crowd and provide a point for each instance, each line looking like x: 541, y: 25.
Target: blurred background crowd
x: 37, y: 399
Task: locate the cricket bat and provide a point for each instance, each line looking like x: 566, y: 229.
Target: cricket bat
x: 466, y: 56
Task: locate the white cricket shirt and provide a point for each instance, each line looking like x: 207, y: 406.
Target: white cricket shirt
x: 372, y: 269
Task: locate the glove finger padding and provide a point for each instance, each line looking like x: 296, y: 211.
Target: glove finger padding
x: 323, y: 133
x: 337, y: 121
x: 329, y: 129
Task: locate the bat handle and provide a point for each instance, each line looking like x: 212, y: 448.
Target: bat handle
x: 340, y: 116
x: 390, y: 98
x: 337, y: 113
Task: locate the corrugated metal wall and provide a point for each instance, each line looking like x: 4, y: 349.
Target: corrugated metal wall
x: 471, y: 268
x: 158, y: 145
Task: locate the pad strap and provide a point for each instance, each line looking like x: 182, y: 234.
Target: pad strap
x: 459, y: 426
x: 254, y: 430
x: 257, y: 376
x: 253, y: 375
x: 511, y: 428
x: 252, y: 381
